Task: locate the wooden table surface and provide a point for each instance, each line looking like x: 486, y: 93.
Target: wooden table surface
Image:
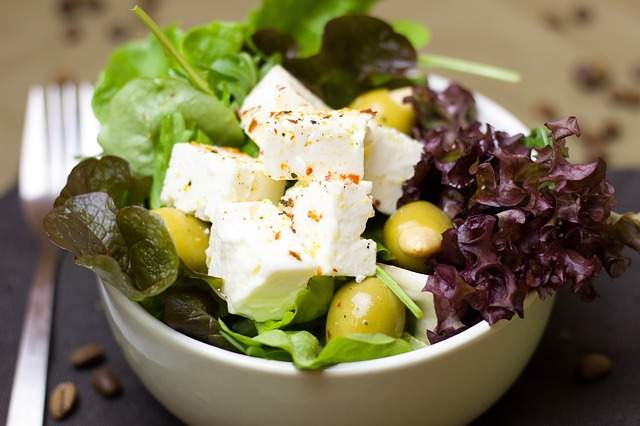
x: 514, y: 34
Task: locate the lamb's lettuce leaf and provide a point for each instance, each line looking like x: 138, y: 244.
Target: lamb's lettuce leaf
x: 305, y: 19
x: 108, y: 174
x: 203, y: 45
x: 130, y: 248
x: 305, y: 350
x: 137, y: 110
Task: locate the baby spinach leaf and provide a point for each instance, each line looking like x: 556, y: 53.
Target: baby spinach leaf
x: 108, y: 174
x: 416, y: 32
x: 135, y: 114
x: 304, y: 19
x: 135, y: 59
x: 232, y: 77
x: 129, y: 249
x: 358, y: 53
x: 191, y: 311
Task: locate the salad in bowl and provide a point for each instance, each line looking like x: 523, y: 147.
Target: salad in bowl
x: 296, y: 187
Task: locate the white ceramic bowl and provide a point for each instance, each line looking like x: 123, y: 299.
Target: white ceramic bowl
x: 449, y: 383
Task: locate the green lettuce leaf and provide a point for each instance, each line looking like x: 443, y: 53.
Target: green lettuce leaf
x: 305, y: 351
x: 137, y: 110
x: 418, y: 34
x: 203, y: 45
x: 129, y: 249
x: 173, y: 129
x: 232, y: 77
x: 109, y: 174
x: 140, y: 58
x: 305, y: 19
x: 312, y: 303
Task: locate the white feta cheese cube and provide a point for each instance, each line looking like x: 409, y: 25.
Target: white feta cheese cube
x: 259, y: 258
x: 390, y: 157
x: 202, y: 177
x: 329, y: 218
x: 278, y: 91
x: 311, y: 145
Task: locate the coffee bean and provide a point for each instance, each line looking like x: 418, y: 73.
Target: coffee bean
x: 105, y: 382
x: 593, y: 366
x: 553, y: 21
x: 87, y: 355
x: 62, y: 400
x: 611, y: 130
x: 591, y: 76
x: 118, y: 32
x: 626, y: 97
x: 582, y: 14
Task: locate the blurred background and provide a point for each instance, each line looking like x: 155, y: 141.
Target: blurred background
x: 577, y: 57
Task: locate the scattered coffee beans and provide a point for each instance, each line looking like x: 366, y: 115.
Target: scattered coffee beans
x: 546, y: 111
x: 593, y: 366
x: 62, y: 400
x: 105, y: 382
x: 626, y: 97
x: 87, y: 355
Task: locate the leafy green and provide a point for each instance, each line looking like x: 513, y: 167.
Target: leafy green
x: 109, y: 174
x: 173, y: 52
x: 418, y: 34
x: 312, y: 303
x: 626, y: 227
x: 173, y: 129
x: 399, y: 292
x: 484, y: 70
x: 203, y: 45
x: 135, y: 114
x: 192, y: 312
x: 135, y: 59
x: 358, y: 53
x: 304, y: 348
x: 539, y: 138
x: 232, y: 77
x: 304, y: 19
x: 129, y: 249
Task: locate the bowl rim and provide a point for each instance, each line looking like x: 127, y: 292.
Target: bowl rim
x: 158, y: 329
x: 509, y: 123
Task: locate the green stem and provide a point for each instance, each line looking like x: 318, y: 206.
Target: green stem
x: 399, y: 292
x: 484, y: 70
x: 170, y: 49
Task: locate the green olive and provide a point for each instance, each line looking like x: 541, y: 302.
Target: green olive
x: 389, y: 107
x: 189, y: 235
x: 414, y: 232
x: 366, y: 307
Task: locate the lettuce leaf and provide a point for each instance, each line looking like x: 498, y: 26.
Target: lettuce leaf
x: 416, y: 32
x: 137, y: 110
x: 130, y: 248
x: 305, y: 351
x: 140, y: 58
x: 312, y: 303
x: 304, y: 19
x: 108, y: 174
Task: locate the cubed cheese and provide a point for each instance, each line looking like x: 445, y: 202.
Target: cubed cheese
x: 311, y: 144
x: 390, y: 158
x: 278, y: 91
x: 261, y: 262
x: 329, y: 218
x: 202, y: 177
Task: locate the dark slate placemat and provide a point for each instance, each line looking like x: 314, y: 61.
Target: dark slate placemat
x: 546, y: 393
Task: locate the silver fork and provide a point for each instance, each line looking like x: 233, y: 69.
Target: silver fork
x: 59, y: 128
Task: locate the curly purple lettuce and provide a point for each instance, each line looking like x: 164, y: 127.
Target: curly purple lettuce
x: 525, y: 218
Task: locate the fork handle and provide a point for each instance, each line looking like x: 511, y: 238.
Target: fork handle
x: 28, y: 393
